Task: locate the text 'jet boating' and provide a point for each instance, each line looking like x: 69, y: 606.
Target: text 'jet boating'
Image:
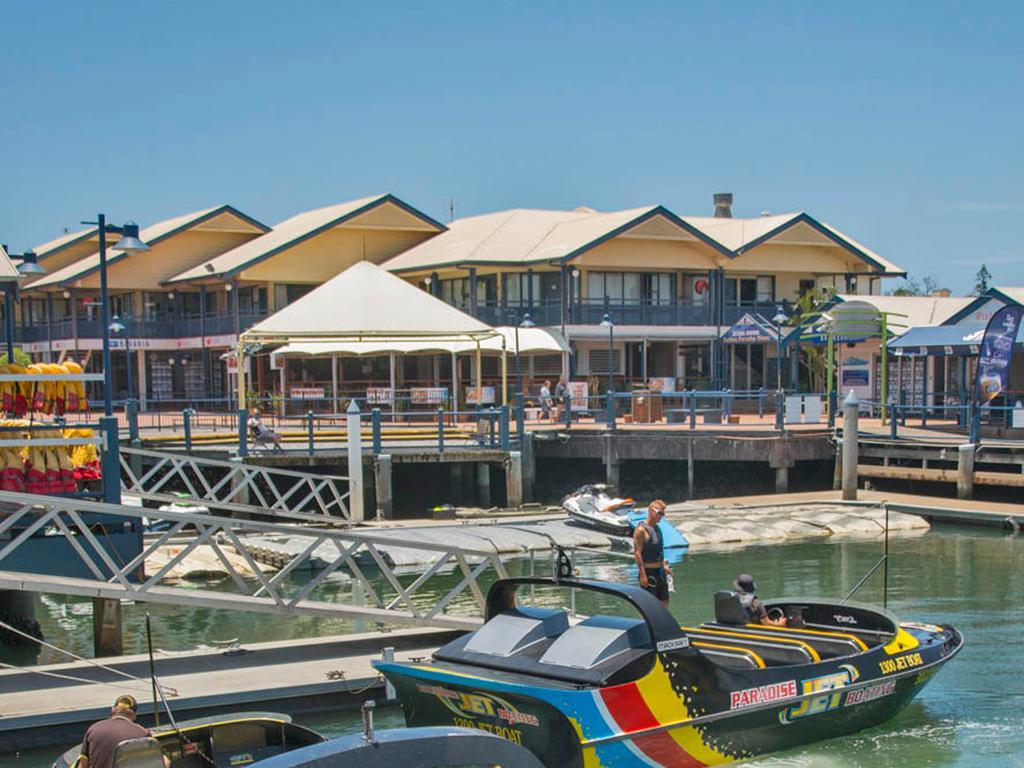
x: 614, y: 691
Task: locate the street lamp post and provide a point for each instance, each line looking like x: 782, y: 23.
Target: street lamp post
x: 779, y: 319
x: 525, y: 322
x: 607, y: 322
x: 129, y: 242
x: 117, y: 327
x: 29, y: 267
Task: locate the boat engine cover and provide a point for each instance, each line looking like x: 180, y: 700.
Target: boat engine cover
x: 511, y: 631
x: 596, y: 640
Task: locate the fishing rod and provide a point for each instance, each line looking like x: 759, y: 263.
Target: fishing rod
x: 882, y: 563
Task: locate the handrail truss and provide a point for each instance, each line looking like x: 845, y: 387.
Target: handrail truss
x: 235, y: 486
x: 401, y: 600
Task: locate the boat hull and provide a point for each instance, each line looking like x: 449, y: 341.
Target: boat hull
x: 662, y: 719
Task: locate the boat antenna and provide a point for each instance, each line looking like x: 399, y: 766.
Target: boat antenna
x: 883, y: 563
x: 152, y: 672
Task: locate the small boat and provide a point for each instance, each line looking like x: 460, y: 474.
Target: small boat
x: 619, y: 691
x: 222, y: 741
x: 598, y: 506
x: 409, y: 747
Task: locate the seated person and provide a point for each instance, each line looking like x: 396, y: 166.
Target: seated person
x: 756, y: 612
x: 264, y: 435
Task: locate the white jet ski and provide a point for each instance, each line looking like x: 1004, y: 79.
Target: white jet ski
x: 598, y: 506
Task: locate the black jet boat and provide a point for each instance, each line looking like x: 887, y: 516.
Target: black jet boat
x: 224, y: 741
x: 613, y: 691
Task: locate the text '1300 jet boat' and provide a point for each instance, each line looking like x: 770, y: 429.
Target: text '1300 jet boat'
x: 614, y: 691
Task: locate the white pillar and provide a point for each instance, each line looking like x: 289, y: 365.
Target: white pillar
x: 142, y: 379
x: 851, y: 412
x: 334, y: 380
x: 355, y: 463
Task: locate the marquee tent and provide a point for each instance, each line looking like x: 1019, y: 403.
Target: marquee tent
x: 367, y: 304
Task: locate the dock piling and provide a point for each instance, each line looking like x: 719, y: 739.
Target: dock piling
x: 965, y: 471
x: 851, y: 413
x: 483, y: 484
x: 514, y: 480
x: 383, y: 486
x: 357, y: 513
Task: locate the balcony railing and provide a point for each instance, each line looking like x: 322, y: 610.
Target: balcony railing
x: 734, y: 311
x: 163, y: 328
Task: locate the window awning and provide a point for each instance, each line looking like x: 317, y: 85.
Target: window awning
x: 939, y: 340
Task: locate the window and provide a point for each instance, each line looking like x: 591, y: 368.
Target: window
x: 455, y: 291
x: 630, y: 287
x: 851, y: 283
x: 765, y: 290
x: 750, y: 291
x: 696, y: 289
x: 598, y: 360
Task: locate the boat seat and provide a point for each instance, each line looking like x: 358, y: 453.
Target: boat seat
x: 515, y: 631
x: 775, y: 651
x: 138, y: 753
x: 829, y: 645
x: 729, y: 609
x: 732, y: 656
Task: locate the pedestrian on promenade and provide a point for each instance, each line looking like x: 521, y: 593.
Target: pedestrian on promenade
x: 562, y: 397
x: 545, y: 399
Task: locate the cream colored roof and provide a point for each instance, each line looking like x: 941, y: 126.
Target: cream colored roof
x: 52, y: 246
x: 7, y: 269
x: 526, y: 236
x: 530, y: 340
x: 918, y: 310
x: 1017, y: 294
x: 291, y: 232
x: 739, y: 235
x: 150, y: 235
x: 366, y: 302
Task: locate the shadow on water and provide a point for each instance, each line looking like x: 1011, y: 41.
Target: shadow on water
x: 971, y: 714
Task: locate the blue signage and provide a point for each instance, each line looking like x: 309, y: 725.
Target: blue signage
x: 996, y: 351
x: 749, y: 330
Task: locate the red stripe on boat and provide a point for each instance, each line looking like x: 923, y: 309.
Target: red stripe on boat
x: 626, y: 704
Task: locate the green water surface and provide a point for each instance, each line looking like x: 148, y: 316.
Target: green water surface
x: 971, y: 714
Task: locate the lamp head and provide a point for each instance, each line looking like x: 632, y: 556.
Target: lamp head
x: 606, y: 321
x: 130, y: 239
x: 116, y: 326
x: 527, y: 322
x: 780, y: 316
x: 30, y: 264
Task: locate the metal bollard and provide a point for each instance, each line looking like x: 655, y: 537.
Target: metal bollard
x: 693, y: 408
x: 503, y: 414
x: 309, y: 430
x: 894, y: 417
x: 375, y: 421
x: 186, y: 416
x: 440, y: 430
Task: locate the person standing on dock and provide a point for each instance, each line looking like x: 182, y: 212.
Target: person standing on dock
x: 545, y: 400
x: 649, y: 551
x: 102, y: 738
x: 562, y: 398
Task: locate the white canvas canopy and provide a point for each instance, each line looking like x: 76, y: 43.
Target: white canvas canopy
x: 367, y: 304
x: 530, y: 340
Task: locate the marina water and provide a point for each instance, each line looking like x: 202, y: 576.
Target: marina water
x: 971, y: 714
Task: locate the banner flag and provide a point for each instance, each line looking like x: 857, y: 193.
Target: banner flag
x: 996, y: 351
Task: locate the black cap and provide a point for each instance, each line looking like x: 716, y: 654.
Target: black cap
x: 744, y: 583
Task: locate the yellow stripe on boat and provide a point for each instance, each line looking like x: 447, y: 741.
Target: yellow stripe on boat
x: 902, y: 641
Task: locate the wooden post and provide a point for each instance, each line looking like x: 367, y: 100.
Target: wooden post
x: 383, y: 487
x: 514, y: 480
x: 106, y: 627
x: 483, y: 484
x: 965, y: 471
x: 851, y: 413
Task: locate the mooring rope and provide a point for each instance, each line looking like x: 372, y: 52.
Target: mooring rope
x: 92, y: 662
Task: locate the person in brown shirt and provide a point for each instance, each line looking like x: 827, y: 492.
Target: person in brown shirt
x: 102, y: 738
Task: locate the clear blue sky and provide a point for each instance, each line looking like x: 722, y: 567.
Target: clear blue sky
x: 900, y: 125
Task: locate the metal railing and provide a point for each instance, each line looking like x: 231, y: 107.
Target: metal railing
x: 319, y: 554
x: 233, y: 486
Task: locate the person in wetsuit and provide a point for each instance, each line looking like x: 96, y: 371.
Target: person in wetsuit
x: 754, y: 608
x: 649, y: 551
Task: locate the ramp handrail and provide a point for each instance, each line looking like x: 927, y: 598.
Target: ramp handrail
x: 278, y: 492
x: 25, y: 516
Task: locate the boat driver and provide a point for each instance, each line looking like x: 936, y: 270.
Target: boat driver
x: 649, y: 551
x: 752, y: 605
x: 102, y: 738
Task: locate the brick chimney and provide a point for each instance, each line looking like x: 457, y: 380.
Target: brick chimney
x: 723, y: 205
